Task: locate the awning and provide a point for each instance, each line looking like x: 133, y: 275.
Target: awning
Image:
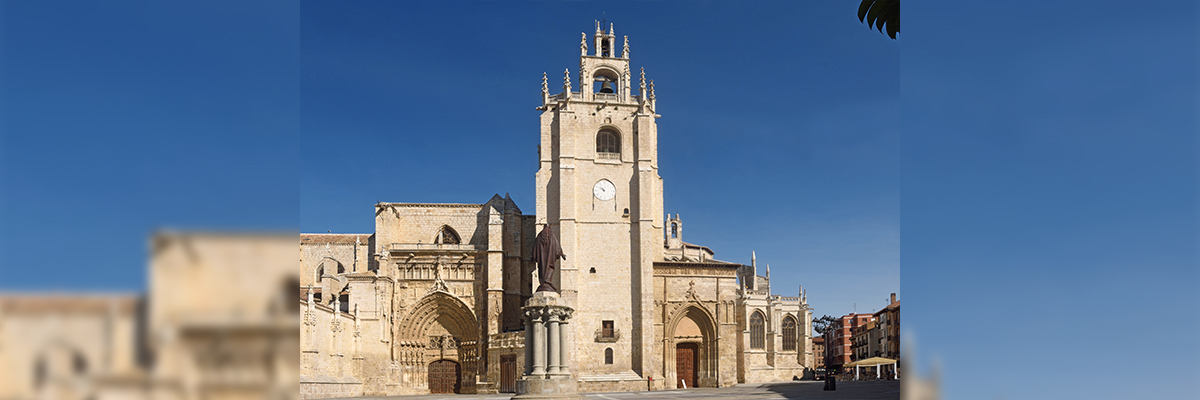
x: 870, y: 362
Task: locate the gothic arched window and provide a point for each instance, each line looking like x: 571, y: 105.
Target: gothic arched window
x: 789, y: 333
x: 608, y: 355
x: 607, y: 141
x: 447, y: 236
x: 757, y: 332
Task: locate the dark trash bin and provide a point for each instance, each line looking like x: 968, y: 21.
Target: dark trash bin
x: 830, y: 383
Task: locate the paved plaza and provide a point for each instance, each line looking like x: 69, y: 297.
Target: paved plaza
x: 806, y: 390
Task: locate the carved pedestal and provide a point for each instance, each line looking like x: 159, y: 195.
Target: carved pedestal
x: 547, y: 375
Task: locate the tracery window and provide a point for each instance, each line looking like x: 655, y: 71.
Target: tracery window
x: 789, y: 333
x: 757, y: 332
x: 447, y: 236
x: 607, y: 142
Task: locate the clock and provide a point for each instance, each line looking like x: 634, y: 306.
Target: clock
x: 604, y: 190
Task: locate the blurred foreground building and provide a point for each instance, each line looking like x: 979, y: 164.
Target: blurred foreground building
x: 219, y: 321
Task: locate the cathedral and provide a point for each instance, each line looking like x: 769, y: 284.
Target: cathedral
x: 430, y: 302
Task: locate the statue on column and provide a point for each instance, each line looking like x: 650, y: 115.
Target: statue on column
x: 546, y: 252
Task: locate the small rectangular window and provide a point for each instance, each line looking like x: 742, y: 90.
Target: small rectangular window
x: 607, y: 330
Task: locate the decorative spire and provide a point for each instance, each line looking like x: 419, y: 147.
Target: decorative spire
x: 651, y: 89
x: 567, y: 82
x: 625, y: 48
x: 583, y: 44
x: 643, y: 80
x: 545, y: 92
x: 610, y: 29
x: 598, y: 26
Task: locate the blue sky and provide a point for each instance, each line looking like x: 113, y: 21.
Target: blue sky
x: 122, y: 118
x: 774, y: 135
x: 1043, y: 155
x: 1049, y: 197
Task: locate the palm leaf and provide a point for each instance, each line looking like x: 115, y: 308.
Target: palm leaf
x: 878, y: 14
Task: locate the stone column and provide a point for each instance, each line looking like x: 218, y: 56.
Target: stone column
x: 527, y: 316
x: 555, y: 345
x: 549, y: 378
x: 563, y: 369
x: 539, y: 344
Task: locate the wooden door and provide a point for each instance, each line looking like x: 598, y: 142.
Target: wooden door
x: 444, y: 376
x: 685, y: 364
x: 508, y: 374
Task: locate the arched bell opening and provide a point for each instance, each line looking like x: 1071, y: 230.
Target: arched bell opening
x: 691, y: 355
x: 605, y: 81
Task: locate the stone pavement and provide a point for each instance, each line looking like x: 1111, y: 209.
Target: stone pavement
x: 805, y: 390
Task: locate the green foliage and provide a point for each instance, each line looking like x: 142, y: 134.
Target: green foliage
x: 880, y: 14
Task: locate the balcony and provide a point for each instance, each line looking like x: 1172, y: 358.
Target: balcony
x: 433, y: 247
x: 612, y: 338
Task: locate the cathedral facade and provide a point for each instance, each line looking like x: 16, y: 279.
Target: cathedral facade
x: 430, y: 302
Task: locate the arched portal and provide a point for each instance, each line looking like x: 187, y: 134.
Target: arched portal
x: 440, y: 327
x: 691, y: 353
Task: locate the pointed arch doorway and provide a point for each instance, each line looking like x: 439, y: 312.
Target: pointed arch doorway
x: 691, y: 351
x: 437, y: 345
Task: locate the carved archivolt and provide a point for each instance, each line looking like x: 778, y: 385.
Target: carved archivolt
x: 437, y: 306
x: 699, y: 313
x: 415, y: 348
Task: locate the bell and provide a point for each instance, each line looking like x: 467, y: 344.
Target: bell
x: 606, y: 87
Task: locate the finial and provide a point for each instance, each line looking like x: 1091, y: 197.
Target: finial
x: 651, y: 89
x: 625, y: 48
x: 567, y: 81
x: 643, y: 79
x: 597, y: 26
x: 545, y: 89
x: 583, y: 43
x: 610, y: 28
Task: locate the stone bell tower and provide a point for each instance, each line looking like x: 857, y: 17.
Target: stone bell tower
x: 598, y: 185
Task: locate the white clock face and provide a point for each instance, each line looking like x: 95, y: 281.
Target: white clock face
x: 604, y: 190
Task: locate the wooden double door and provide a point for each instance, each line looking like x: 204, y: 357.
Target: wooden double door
x: 508, y: 374
x: 685, y: 364
x: 445, y: 376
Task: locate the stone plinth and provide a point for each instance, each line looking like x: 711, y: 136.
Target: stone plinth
x: 547, y: 375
